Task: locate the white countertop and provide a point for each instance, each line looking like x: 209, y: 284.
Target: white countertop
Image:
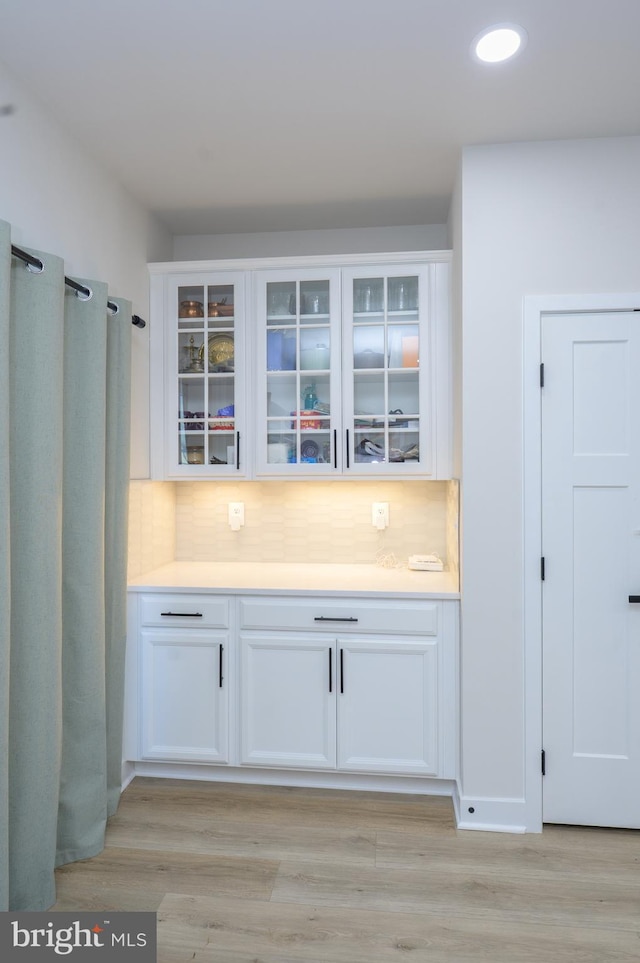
x: 274, y: 578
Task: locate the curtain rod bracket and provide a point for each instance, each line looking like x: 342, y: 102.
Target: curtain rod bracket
x: 34, y: 264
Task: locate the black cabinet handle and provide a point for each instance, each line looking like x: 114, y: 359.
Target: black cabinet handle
x: 335, y: 447
x: 237, y: 450
x: 634, y: 598
x: 182, y: 615
x: 347, y: 432
x: 329, y: 618
x: 220, y: 675
x: 331, y: 670
x: 341, y: 670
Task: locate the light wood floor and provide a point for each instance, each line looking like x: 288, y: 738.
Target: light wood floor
x: 271, y: 875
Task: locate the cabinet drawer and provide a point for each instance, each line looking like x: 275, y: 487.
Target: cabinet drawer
x: 341, y: 615
x: 186, y: 611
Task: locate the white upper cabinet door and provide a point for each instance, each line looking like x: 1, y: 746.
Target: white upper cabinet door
x: 199, y: 378
x: 298, y: 366
x: 386, y: 355
x: 396, y: 371
x: 388, y: 706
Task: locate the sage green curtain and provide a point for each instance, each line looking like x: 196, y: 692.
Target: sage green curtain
x: 65, y: 376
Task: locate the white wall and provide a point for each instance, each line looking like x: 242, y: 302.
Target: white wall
x: 61, y: 200
x: 426, y: 237
x: 544, y: 218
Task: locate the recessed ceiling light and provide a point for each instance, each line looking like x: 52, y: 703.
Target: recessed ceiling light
x: 499, y: 43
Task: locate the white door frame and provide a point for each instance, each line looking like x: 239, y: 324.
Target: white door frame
x: 535, y: 307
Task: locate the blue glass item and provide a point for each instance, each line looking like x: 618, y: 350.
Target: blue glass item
x: 310, y: 397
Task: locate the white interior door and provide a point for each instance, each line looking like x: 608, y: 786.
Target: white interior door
x: 591, y: 546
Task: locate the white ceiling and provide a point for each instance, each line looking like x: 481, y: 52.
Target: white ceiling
x: 227, y: 116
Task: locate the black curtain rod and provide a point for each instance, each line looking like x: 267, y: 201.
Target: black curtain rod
x: 78, y: 288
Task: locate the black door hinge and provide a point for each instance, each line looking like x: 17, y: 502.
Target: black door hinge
x: 542, y: 568
x: 543, y: 763
x: 542, y: 375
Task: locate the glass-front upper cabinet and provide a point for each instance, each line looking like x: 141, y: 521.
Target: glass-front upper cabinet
x: 331, y: 370
x: 298, y: 373
x: 204, y: 406
x: 387, y: 371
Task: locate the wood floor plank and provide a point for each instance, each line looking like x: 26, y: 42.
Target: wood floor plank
x: 604, y: 902
x: 573, y: 852
x: 285, y: 805
x: 221, y: 930
x: 250, y: 874
x: 206, y: 835
x: 156, y: 872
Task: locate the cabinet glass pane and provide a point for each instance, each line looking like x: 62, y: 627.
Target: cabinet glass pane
x: 314, y: 301
x: 369, y: 346
x: 386, y: 359
x: 403, y: 294
x: 206, y: 375
x: 298, y: 362
x: 300, y: 445
x: 369, y: 394
x: 220, y: 306
x: 315, y: 348
x: 191, y: 312
x: 403, y: 393
x: 282, y: 394
x: 404, y: 344
x: 281, y: 302
x: 368, y: 295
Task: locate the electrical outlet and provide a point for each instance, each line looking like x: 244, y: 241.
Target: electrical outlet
x: 380, y: 515
x: 236, y: 515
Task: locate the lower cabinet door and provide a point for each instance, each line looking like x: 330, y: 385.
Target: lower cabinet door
x: 184, y: 704
x: 287, y: 702
x: 387, y: 706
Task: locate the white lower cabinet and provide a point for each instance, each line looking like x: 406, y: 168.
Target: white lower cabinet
x: 388, y: 706
x: 354, y: 704
x: 294, y: 683
x: 184, y: 698
x: 287, y: 702
x: 356, y: 685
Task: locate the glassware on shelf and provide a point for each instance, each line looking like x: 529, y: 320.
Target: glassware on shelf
x: 195, y: 455
x: 310, y: 397
x: 368, y: 295
x: 403, y: 294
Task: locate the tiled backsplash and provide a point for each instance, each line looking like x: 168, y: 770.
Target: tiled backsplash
x: 152, y: 525
x: 453, y: 526
x: 290, y: 522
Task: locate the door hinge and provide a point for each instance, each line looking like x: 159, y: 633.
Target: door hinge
x: 542, y: 375
x: 543, y: 763
x: 542, y: 568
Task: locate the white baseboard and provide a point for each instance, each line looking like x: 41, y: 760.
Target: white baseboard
x: 493, y: 815
x: 284, y: 777
x: 128, y: 773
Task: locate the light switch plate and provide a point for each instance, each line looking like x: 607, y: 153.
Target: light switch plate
x: 380, y: 515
